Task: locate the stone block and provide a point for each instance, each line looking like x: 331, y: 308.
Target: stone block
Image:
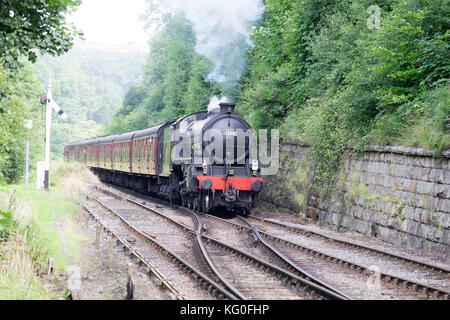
x: 438, y: 163
x: 425, y: 216
x: 383, y: 233
x: 382, y: 168
x: 426, y: 188
x: 438, y: 235
x: 437, y: 175
x: 381, y: 219
x: 401, y: 184
x: 361, y: 226
x: 356, y: 212
x: 443, y: 220
x: 389, y: 207
x: 409, y: 226
x: 428, y: 203
x: 446, y: 237
x: 413, y: 186
x: 368, y: 215
x: 434, y: 218
x: 365, y: 166
x: 388, y: 157
x: 447, y: 177
x: 379, y: 179
x: 323, y: 216
x: 414, y: 243
x: 443, y: 205
x: 396, y: 170
x: 399, y: 159
x: 417, y: 173
x: 412, y: 213
x: 358, y: 165
x: 416, y: 161
x: 335, y: 218
x: 408, y: 197
x: 394, y: 237
x: 426, y: 232
x: 371, y: 167
x: 442, y: 191
x: 436, y: 247
x: 392, y: 222
x: 388, y: 181
x: 427, y: 162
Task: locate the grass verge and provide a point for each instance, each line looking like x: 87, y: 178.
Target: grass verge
x: 37, y: 225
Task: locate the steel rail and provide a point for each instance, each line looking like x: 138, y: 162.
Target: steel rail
x: 284, y: 259
x: 297, y: 229
x: 152, y: 269
x: 416, y: 286
x: 290, y: 262
x: 332, y: 294
x: 213, y: 286
x: 200, y: 243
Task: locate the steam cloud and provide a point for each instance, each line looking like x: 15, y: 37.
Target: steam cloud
x: 214, y: 103
x: 223, y: 29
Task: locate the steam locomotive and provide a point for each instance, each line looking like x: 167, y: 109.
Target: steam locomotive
x: 203, y: 160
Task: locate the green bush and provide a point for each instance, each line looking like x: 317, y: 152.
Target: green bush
x: 6, y: 223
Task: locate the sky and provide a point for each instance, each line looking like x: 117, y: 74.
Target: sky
x: 111, y: 21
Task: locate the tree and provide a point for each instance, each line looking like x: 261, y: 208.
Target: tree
x: 19, y: 101
x: 30, y: 25
x: 173, y: 83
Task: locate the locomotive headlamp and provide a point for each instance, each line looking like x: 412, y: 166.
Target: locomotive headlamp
x: 206, y: 184
x: 231, y: 172
x: 255, y: 165
x: 256, y: 186
x: 205, y: 166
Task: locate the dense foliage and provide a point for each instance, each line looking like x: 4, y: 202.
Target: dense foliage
x: 318, y: 71
x: 19, y: 100
x: 173, y: 82
x: 27, y: 26
x: 88, y: 83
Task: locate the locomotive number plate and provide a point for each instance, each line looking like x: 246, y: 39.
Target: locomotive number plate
x: 230, y: 133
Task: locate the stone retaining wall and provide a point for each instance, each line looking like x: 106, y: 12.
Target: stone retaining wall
x: 400, y: 195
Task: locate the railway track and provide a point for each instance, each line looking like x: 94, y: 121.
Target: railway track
x: 186, y: 280
x: 283, y: 253
x: 243, y: 275
x: 442, y: 271
x: 356, y: 275
x: 154, y: 272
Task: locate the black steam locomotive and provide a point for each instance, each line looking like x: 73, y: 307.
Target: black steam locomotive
x: 203, y: 160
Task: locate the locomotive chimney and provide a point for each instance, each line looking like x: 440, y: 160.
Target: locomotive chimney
x: 226, y: 107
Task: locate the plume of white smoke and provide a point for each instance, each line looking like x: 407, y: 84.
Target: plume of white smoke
x: 214, y: 102
x: 223, y: 30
